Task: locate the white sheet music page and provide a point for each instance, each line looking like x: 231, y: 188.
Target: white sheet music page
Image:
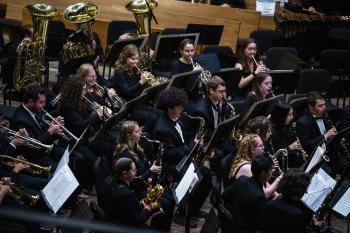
x: 60, y: 187
x: 321, y: 184
x: 343, y: 205
x: 187, y: 183
x: 64, y: 160
x: 316, y: 157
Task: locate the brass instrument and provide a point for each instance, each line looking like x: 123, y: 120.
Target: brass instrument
x: 33, y: 168
x: 154, y: 81
x: 284, y: 159
x: 152, y: 196
x: 236, y: 134
x: 81, y: 14
x: 303, y: 153
x: 107, y: 113
x: 116, y: 101
x: 30, y: 53
x: 29, y: 142
x: 18, y: 194
x: 201, y: 128
x: 205, y: 75
x: 140, y: 9
x: 67, y: 134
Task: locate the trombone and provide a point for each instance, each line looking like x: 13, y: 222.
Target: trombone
x: 29, y: 142
x: 67, y: 134
x: 33, y: 168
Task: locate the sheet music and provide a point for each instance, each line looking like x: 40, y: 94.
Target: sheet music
x: 343, y: 205
x: 187, y: 183
x: 64, y: 160
x: 316, y: 157
x: 321, y: 184
x: 60, y: 187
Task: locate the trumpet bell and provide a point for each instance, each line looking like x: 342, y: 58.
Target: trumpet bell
x: 80, y: 13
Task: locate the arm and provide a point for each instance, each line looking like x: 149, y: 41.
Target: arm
x: 306, y: 137
x: 121, y: 84
x: 75, y: 117
x: 270, y: 189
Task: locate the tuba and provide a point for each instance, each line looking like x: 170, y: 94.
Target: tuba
x: 82, y: 15
x: 30, y: 54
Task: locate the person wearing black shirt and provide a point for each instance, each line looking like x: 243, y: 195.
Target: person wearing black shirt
x: 245, y: 198
x: 229, y: 3
x: 119, y: 201
x: 286, y: 213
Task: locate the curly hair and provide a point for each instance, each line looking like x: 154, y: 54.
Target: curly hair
x: 171, y: 97
x: 72, y: 92
x: 294, y: 183
x: 128, y: 51
x: 260, y: 125
x: 256, y: 83
x: 123, y: 143
x: 244, y: 153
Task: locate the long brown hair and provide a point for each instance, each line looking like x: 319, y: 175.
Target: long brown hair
x: 241, y: 46
x: 72, y: 92
x: 244, y: 153
x: 257, y: 81
x: 123, y: 143
x: 128, y: 51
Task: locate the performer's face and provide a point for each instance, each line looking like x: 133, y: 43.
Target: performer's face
x: 259, y: 147
x: 175, y: 112
x: 132, y: 61
x: 91, y: 78
x: 130, y: 175
x: 266, y: 86
x: 218, y: 94
x: 289, y: 117
x: 135, y: 135
x: 319, y: 107
x: 38, y: 105
x: 188, y: 51
x: 250, y: 50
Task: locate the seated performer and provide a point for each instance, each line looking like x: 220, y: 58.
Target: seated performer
x: 170, y: 130
x: 117, y: 192
x: 148, y: 172
x: 246, y: 198
x: 246, y: 55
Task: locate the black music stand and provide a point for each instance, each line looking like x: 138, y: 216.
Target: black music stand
x: 208, y: 61
x: 284, y: 81
x: 208, y: 34
x: 153, y: 92
x: 334, y: 141
x: 231, y: 76
x: 117, y: 47
x: 167, y: 45
x: 299, y: 106
x: 71, y: 66
x: 187, y: 80
x: 263, y: 107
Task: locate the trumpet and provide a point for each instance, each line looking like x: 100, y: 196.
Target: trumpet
x: 107, y: 112
x: 18, y: 194
x: 29, y: 142
x: 67, y: 134
x: 33, y: 168
x: 116, y: 101
x: 261, y: 64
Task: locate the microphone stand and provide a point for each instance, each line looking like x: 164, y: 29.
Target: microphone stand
x: 150, y: 17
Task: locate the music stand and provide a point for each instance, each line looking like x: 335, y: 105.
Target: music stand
x: 299, y: 106
x: 167, y: 45
x: 208, y: 34
x: 284, y: 81
x: 334, y: 141
x: 153, y: 92
x: 263, y: 107
x: 231, y: 76
x: 209, y: 61
x: 118, y: 46
x: 187, y: 80
x: 71, y: 66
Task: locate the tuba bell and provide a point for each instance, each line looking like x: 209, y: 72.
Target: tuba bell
x: 30, y: 53
x: 82, y: 15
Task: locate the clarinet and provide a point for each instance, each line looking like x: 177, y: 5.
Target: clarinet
x: 158, y: 160
x: 302, y: 153
x: 328, y: 120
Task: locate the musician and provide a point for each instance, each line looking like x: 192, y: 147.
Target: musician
x: 287, y: 213
x: 283, y: 134
x: 261, y: 89
x: 250, y: 147
x: 27, y: 116
x: 246, y: 52
x: 229, y: 3
x: 312, y: 127
x: 246, y: 198
x: 170, y: 130
x: 128, y: 147
x: 117, y: 193
x: 77, y: 119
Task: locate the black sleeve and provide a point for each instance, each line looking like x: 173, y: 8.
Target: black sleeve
x: 45, y: 138
x: 139, y: 217
x: 75, y: 117
x: 307, y: 140
x: 120, y: 82
x: 175, y: 67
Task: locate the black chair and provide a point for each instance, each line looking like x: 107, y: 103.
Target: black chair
x: 313, y: 80
x: 53, y: 52
x: 275, y: 54
x: 224, y: 53
x: 339, y: 38
x: 99, y: 214
x: 336, y: 61
x: 117, y: 28
x: 265, y: 39
x: 171, y: 31
x: 340, y: 90
x: 225, y: 169
x: 101, y: 169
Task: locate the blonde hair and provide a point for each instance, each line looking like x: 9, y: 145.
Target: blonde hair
x: 83, y: 71
x: 244, y: 154
x: 123, y: 143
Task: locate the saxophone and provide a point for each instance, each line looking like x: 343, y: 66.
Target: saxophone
x: 82, y: 15
x: 236, y: 134
x: 152, y: 196
x: 30, y: 53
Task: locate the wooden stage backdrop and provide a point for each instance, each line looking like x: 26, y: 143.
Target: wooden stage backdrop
x: 238, y: 23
